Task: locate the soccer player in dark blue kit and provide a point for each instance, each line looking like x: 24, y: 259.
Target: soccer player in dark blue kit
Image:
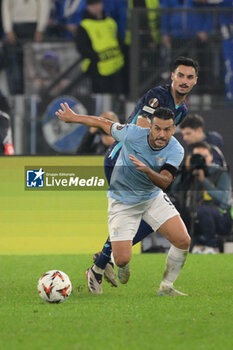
x: 184, y: 76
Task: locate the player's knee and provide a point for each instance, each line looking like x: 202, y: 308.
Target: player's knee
x: 121, y: 260
x: 184, y: 242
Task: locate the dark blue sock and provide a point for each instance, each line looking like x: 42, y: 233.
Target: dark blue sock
x: 143, y: 231
x: 105, y: 255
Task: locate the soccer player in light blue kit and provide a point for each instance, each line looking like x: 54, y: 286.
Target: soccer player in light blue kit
x: 146, y: 165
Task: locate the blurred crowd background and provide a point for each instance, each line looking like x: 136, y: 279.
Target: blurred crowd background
x: 103, y: 55
x: 44, y: 60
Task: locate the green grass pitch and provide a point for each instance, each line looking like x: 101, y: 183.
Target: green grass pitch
x: 127, y: 317
x: 61, y: 230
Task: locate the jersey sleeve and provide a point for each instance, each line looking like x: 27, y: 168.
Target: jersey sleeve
x: 146, y: 104
x: 175, y: 157
x: 151, y: 101
x: 120, y: 131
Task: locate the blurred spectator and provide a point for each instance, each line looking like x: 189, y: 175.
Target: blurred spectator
x: 48, y: 70
x: 2, y: 53
x: 4, y: 104
x: 187, y: 33
x: 66, y: 15
x: 207, y: 190
x: 1, y: 30
x: 22, y: 21
x: 96, y: 141
x: 60, y: 23
x: 152, y: 19
x: 226, y: 28
x: 192, y: 130
x: 117, y: 9
x: 6, y: 143
x: 149, y: 23
x: 98, y: 43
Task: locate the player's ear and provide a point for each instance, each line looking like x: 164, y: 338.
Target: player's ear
x: 174, y: 129
x: 211, y: 157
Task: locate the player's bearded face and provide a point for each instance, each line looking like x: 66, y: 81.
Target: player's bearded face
x: 161, y: 132
x: 183, y: 79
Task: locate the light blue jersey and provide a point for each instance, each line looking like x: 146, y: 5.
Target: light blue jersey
x: 131, y: 186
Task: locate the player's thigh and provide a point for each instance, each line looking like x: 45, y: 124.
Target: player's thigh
x: 174, y: 230
x: 123, y: 220
x: 123, y: 223
x: 163, y: 217
x: 159, y: 211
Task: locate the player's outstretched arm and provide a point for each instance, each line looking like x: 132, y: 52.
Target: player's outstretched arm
x: 162, y: 179
x: 66, y: 114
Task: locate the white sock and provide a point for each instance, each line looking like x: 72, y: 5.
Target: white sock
x: 175, y: 261
x: 98, y: 270
x: 112, y: 258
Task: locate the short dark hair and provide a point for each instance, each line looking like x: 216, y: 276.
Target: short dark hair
x: 163, y: 113
x: 202, y: 144
x: 186, y: 61
x: 193, y: 121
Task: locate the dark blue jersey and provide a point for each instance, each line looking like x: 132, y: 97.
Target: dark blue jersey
x: 159, y: 96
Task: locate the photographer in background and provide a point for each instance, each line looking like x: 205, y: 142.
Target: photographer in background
x: 203, y: 190
x: 96, y: 141
x: 192, y: 130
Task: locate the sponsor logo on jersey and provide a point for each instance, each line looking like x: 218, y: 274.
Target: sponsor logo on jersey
x: 160, y: 160
x: 154, y: 102
x: 148, y: 109
x: 120, y: 127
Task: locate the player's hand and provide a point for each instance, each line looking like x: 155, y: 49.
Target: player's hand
x: 66, y: 114
x: 93, y: 130
x: 200, y: 174
x: 11, y: 38
x: 187, y: 162
x: 143, y: 122
x: 139, y: 165
x: 38, y: 37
